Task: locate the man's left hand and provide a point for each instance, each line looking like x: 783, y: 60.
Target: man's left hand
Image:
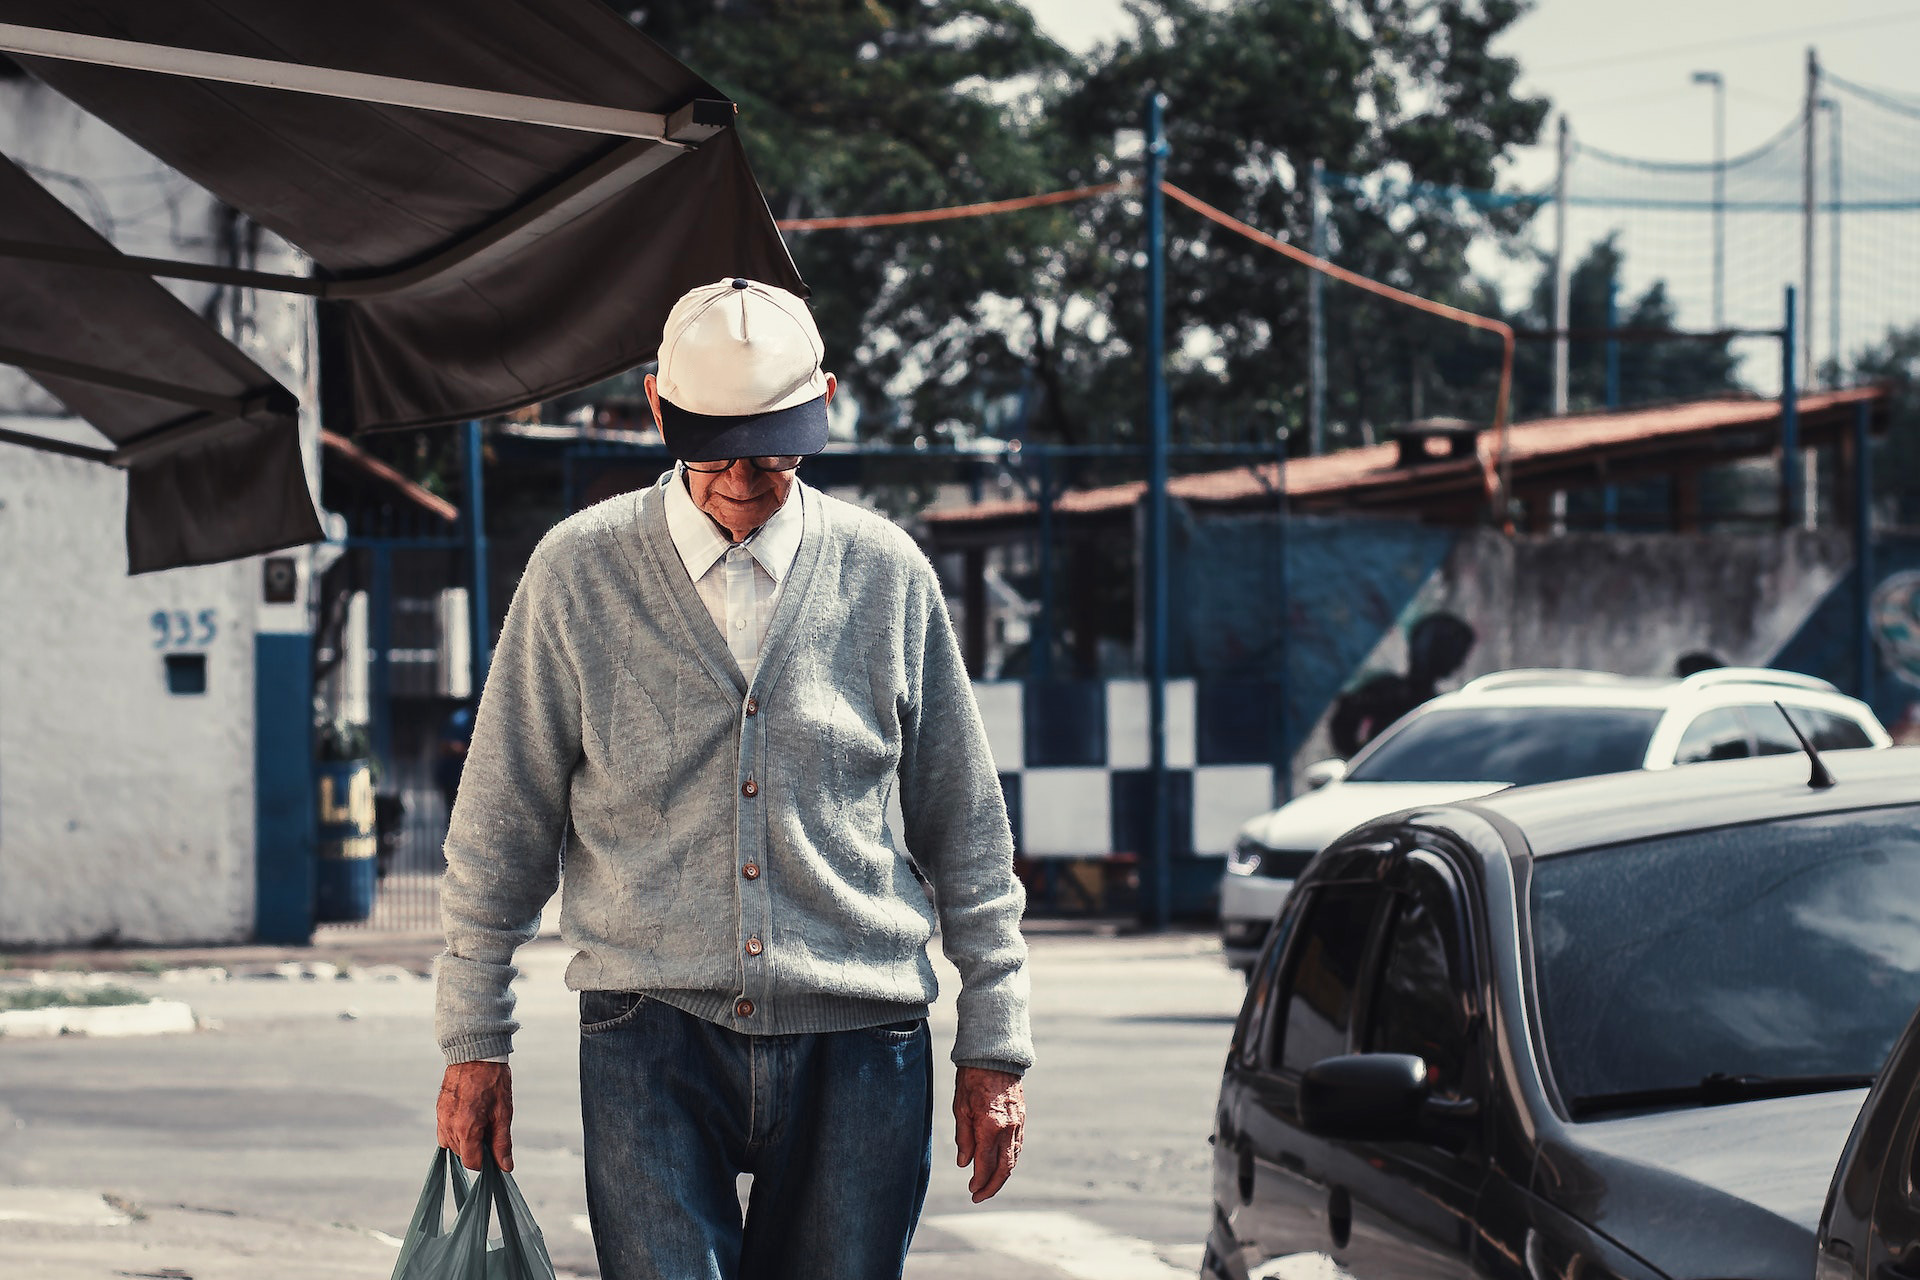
x: 990, y: 1119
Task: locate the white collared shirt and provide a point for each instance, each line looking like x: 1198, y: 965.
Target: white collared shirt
x: 739, y: 582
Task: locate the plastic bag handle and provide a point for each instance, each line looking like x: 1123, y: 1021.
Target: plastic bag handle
x: 525, y: 1260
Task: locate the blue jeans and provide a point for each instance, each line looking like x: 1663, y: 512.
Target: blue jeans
x: 835, y: 1127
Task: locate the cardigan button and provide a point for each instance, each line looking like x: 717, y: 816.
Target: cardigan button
x: 751, y: 871
x: 754, y: 946
x: 743, y: 1008
x: 753, y: 706
x: 749, y: 788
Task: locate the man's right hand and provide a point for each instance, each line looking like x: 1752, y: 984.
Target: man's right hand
x: 476, y: 1111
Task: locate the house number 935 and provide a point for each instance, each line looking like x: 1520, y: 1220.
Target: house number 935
x: 179, y: 629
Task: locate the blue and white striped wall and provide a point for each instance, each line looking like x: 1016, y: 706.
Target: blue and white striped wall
x: 1072, y: 757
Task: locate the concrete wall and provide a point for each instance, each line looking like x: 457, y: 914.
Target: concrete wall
x: 128, y: 813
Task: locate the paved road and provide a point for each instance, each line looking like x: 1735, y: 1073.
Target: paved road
x: 297, y: 1134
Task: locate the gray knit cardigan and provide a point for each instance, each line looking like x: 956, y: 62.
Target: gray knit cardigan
x: 699, y: 814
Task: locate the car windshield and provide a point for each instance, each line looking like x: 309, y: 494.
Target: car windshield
x: 1761, y: 955
x: 1519, y: 745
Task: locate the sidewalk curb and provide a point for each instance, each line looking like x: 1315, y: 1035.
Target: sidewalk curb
x: 155, y: 1018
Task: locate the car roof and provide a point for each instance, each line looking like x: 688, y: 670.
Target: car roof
x: 1552, y: 687
x: 1562, y: 817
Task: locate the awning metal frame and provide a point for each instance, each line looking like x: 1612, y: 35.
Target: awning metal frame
x: 211, y: 414
x: 294, y: 77
x: 654, y: 139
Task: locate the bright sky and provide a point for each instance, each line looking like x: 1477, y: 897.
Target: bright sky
x: 1620, y: 68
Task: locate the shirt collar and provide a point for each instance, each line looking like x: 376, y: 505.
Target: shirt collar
x: 701, y: 542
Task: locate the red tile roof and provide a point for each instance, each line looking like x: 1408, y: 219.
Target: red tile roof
x: 1353, y: 472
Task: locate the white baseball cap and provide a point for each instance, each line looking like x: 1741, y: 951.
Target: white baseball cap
x: 740, y: 374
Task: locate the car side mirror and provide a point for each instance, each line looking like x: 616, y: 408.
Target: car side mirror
x: 1323, y: 772
x: 1365, y: 1097
x: 1383, y: 1097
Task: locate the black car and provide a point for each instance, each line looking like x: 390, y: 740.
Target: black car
x: 1618, y: 1027
x: 1871, y: 1229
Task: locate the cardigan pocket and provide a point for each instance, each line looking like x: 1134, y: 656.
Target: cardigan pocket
x: 857, y: 765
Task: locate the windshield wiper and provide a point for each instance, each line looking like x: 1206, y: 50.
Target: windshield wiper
x: 1714, y: 1090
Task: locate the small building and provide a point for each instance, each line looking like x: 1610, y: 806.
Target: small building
x: 153, y: 729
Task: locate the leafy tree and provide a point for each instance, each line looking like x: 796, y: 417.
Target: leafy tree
x: 897, y: 104
x: 1895, y: 360
x: 1256, y: 91
x: 873, y: 106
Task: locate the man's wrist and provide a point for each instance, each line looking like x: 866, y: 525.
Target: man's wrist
x: 992, y: 1064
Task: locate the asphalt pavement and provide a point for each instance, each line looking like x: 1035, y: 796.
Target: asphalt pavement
x: 290, y: 1136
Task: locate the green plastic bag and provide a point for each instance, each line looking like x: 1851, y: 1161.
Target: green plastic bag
x: 434, y: 1251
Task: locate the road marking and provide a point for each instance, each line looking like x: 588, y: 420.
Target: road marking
x: 1301, y: 1266
x: 1069, y: 1244
x: 61, y: 1208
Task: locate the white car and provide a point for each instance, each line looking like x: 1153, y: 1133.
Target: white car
x: 1517, y: 728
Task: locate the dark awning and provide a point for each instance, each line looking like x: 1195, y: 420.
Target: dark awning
x: 190, y: 418
x: 468, y: 260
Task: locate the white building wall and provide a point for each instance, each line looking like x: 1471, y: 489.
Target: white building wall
x: 127, y: 813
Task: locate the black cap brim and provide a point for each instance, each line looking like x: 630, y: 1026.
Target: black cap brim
x: 701, y: 437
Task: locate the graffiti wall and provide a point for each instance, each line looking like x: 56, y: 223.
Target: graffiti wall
x: 1829, y: 645
x: 1379, y: 616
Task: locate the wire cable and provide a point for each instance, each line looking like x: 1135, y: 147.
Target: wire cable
x: 1497, y: 486
x: 950, y: 212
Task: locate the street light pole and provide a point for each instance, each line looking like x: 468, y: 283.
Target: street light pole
x: 1719, y: 85
x: 1834, y: 349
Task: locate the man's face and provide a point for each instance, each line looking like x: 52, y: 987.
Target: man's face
x: 741, y: 498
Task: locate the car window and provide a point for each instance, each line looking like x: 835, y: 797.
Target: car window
x: 1831, y: 731
x: 1520, y: 745
x: 1317, y: 1007
x: 1783, y: 949
x: 1262, y: 982
x: 1719, y: 734
x: 1827, y: 730
x: 1420, y: 1006
x: 1771, y: 734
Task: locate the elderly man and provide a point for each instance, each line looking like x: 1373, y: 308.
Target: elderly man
x: 702, y: 702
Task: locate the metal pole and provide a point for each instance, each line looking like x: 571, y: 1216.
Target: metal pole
x: 1808, y: 210
x: 1719, y: 202
x: 1613, y: 342
x: 380, y: 656
x: 1719, y: 86
x: 1160, y: 868
x: 1610, y: 496
x: 1283, y: 657
x: 1790, y: 493
x: 1835, y: 351
x: 1040, y: 643
x: 1863, y: 546
x: 476, y: 513
x: 1561, y: 270
x: 1317, y: 318
x: 295, y: 77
